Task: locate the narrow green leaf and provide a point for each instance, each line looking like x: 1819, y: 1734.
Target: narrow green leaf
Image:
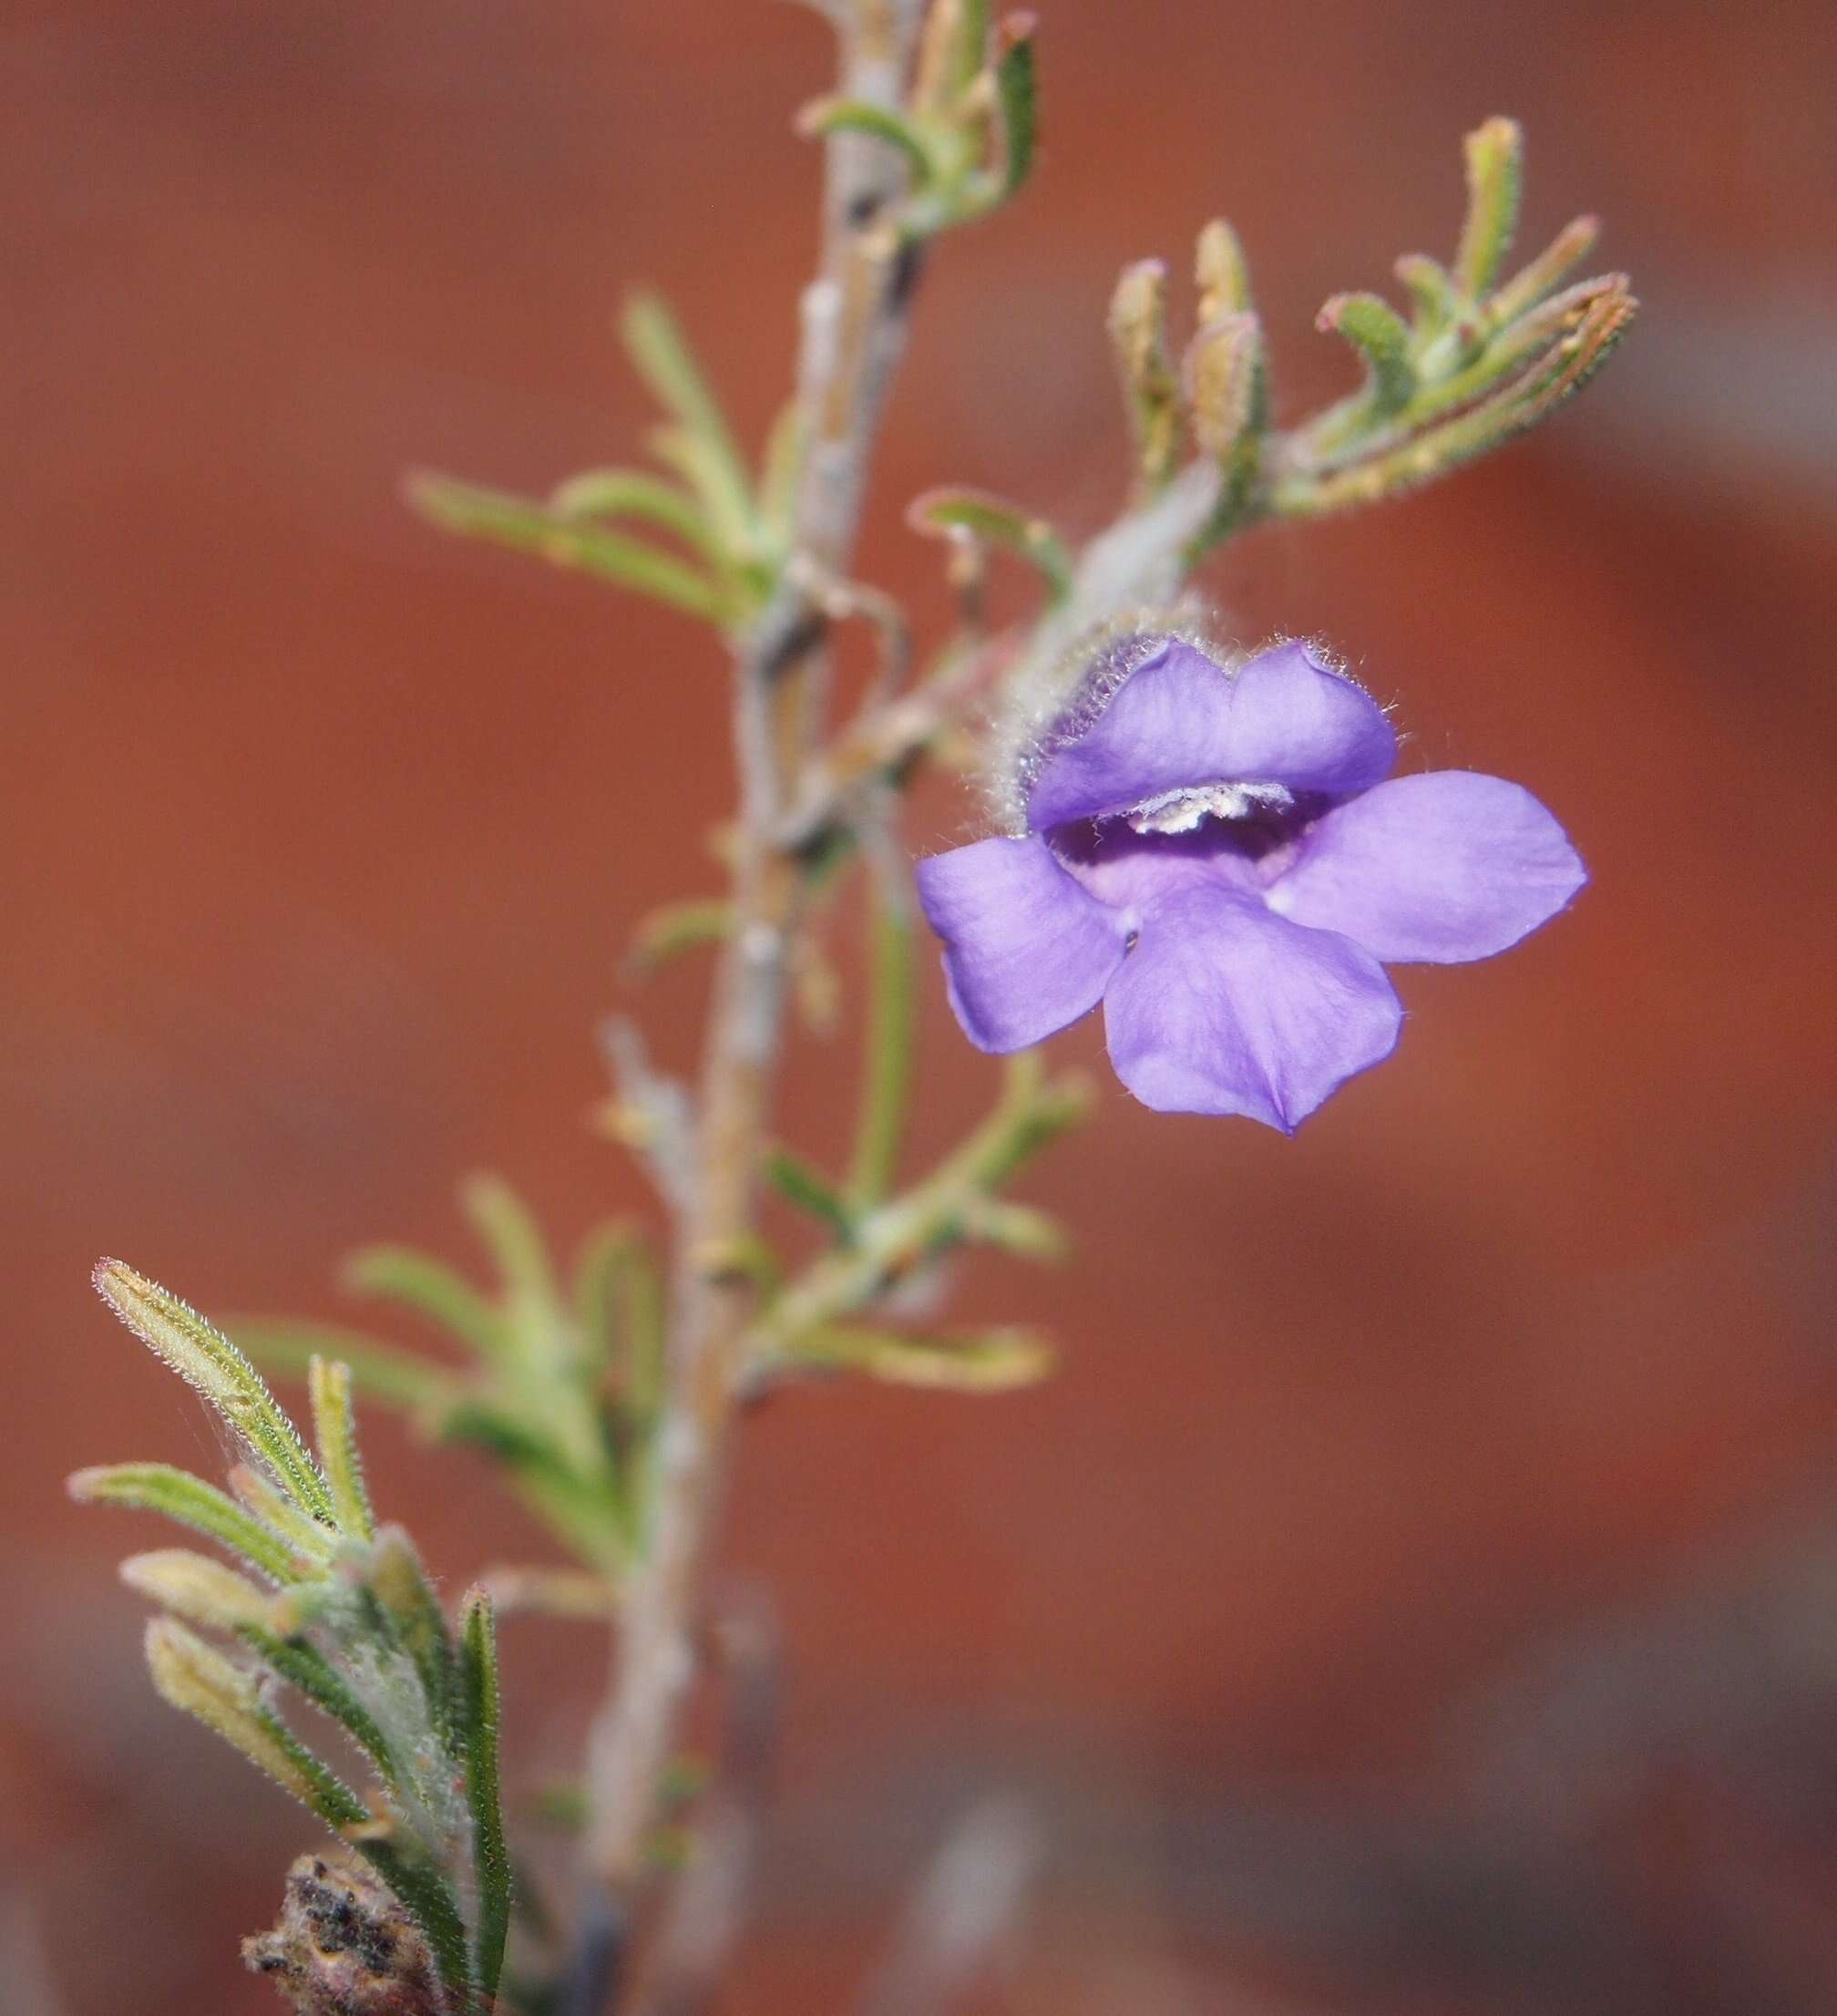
x: 824, y: 116
x: 328, y: 1384
x: 431, y: 1289
x: 309, y: 1539
x: 960, y: 513
x: 1546, y: 272
x: 952, y: 52
x: 991, y: 1360
x: 1495, y: 168
x: 972, y: 42
x: 616, y: 1290
x: 514, y: 1240
x: 662, y: 358
x: 528, y: 528
x: 199, y: 1590
x: 1437, y: 302
x: 799, y: 1183
x: 483, y: 1713
x: 313, y: 1675
x: 646, y: 1322
x: 192, y: 1675
x: 206, y: 1359
x: 676, y: 929
x: 582, y: 1506
x: 1226, y: 378
x: 591, y: 1520
x: 400, y: 1585
x: 1504, y: 355
x: 188, y: 1500
x: 886, y: 1046
x: 577, y: 1595
x: 1022, y: 1229
x: 1034, y: 1111
x: 427, y: 1898
x: 635, y: 493
x: 506, y: 1435
x: 1377, y: 333
x: 381, y: 1374
x: 1138, y: 338
x: 1221, y: 273
x: 1223, y: 376
x: 1017, y: 92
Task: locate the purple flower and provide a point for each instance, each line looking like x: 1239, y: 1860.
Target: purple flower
x: 1218, y: 858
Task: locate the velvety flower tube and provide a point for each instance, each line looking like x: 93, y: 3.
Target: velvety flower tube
x: 1221, y: 857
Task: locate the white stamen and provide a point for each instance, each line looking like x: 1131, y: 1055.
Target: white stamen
x: 1181, y: 811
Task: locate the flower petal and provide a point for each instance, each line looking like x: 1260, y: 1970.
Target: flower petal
x: 1440, y: 868
x: 1180, y: 720
x: 1026, y: 950
x: 1225, y: 1008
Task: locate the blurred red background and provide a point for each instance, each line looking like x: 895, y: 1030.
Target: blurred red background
x: 1419, y: 1591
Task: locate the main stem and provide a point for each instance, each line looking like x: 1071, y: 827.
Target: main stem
x: 854, y: 330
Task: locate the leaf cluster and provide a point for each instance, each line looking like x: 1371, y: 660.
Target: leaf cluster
x: 329, y: 1608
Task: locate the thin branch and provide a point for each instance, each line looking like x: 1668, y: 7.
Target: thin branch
x: 970, y: 1900
x: 708, y: 1911
x: 855, y: 317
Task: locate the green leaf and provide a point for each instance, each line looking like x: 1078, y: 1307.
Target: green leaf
x: 192, y: 1675
x: 886, y: 1045
x: 993, y: 521
x: 618, y: 1298
x: 206, y: 1359
x: 1437, y: 302
x: 1377, y: 333
x: 660, y: 354
x: 515, y: 1242
x: 634, y: 493
x: 1563, y: 367
x: 1495, y: 168
x: 676, y: 929
x: 1514, y: 353
x: 432, y: 1289
x: 1546, y: 272
x: 1034, y: 1111
x: 188, y: 1500
x: 824, y: 116
x: 1017, y: 93
x: 483, y: 1711
x: 525, y: 526
x: 952, y: 55
x: 309, y: 1539
x: 992, y: 1361
x: 200, y: 1589
x: 424, y: 1894
x: 1138, y: 338
x: 514, y: 1441
x: 381, y: 1374
x: 589, y: 1519
x: 1220, y: 272
x: 400, y: 1585
x: 313, y: 1675
x: 328, y: 1384
x: 1022, y: 1229
x: 1224, y: 377
x: 799, y: 1183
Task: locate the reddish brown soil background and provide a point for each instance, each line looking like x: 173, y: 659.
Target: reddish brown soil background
x: 1416, y: 1593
